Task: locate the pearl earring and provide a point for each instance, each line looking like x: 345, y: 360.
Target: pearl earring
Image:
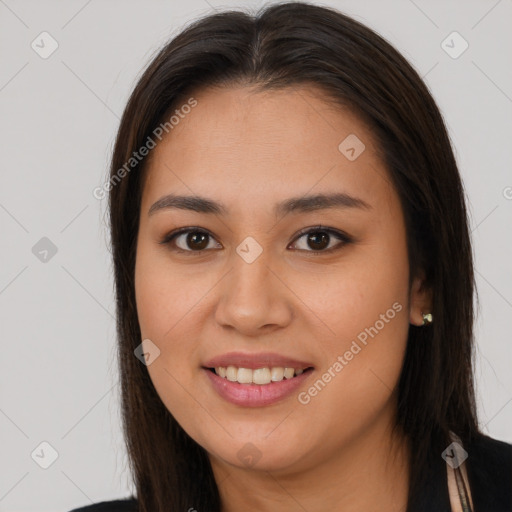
x: 427, y: 318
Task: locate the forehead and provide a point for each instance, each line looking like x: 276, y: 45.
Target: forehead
x: 241, y: 143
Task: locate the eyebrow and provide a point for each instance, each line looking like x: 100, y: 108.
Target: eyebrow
x: 292, y: 205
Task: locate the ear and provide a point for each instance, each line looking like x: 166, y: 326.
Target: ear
x: 420, y: 300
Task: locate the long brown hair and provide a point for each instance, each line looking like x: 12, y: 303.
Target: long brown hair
x: 285, y: 45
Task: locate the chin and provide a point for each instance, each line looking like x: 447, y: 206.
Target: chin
x: 260, y: 454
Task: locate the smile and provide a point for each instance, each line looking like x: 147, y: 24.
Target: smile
x: 259, y: 376
x: 257, y: 395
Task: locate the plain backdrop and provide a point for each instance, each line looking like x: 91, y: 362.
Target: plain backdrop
x: 59, y: 115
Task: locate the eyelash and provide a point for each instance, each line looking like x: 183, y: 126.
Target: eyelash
x: 342, y: 237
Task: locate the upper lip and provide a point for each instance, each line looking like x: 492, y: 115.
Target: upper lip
x: 254, y: 361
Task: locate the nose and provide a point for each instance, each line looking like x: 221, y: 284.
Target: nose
x: 253, y: 299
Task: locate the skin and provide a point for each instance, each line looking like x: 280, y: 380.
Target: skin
x: 250, y: 150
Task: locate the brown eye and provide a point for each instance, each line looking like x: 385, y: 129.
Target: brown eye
x: 196, y: 240
x: 188, y: 240
x: 318, y: 239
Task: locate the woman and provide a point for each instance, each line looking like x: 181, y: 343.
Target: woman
x: 294, y: 278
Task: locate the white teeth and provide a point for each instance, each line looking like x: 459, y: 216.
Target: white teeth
x: 277, y: 374
x: 259, y: 376
x: 231, y: 373
x: 244, y: 376
x: 288, y: 373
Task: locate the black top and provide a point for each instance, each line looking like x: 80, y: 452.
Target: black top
x: 489, y: 468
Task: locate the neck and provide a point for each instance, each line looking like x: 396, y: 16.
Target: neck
x: 371, y: 472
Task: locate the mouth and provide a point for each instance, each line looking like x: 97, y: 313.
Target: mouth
x: 258, y: 376
x: 256, y: 379
x: 234, y: 387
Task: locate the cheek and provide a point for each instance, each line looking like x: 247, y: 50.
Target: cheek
x: 169, y: 310
x: 341, y: 303
x: 163, y: 296
x: 365, y: 321
x: 361, y: 362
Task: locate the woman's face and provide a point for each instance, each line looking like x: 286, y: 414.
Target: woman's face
x: 244, y: 281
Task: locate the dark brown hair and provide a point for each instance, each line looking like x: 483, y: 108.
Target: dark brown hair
x: 282, y: 46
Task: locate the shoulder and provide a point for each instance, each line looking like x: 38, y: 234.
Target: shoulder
x: 126, y: 505
x: 489, y: 466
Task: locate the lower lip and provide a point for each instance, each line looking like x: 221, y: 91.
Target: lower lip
x: 256, y: 395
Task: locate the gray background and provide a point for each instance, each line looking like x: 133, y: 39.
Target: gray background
x: 59, y: 117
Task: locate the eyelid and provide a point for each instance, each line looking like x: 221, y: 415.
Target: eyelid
x: 340, y: 235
